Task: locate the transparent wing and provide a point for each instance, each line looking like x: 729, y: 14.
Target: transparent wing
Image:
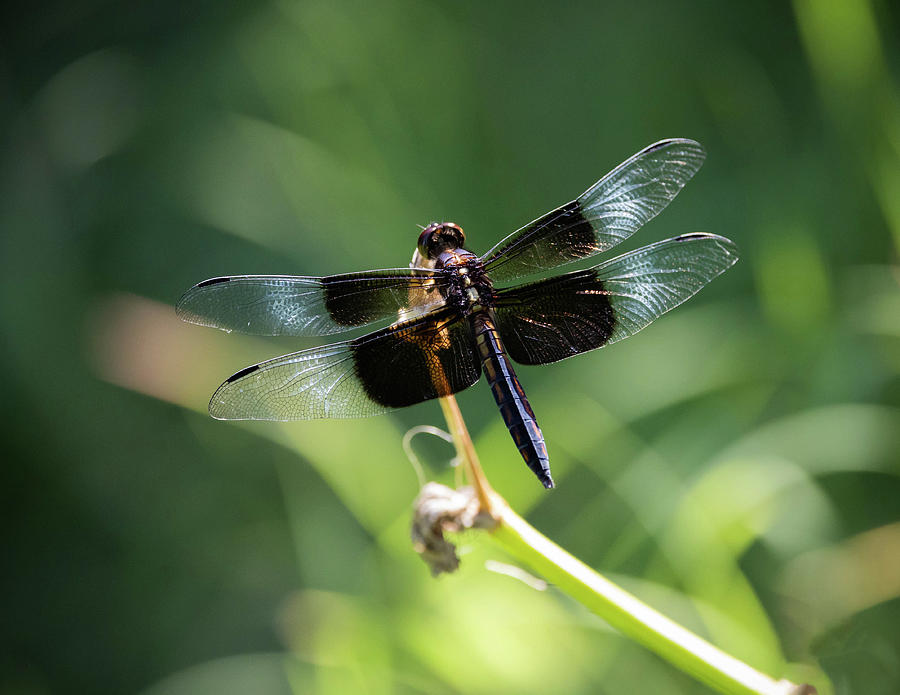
x: 605, y: 214
x: 560, y: 317
x: 307, y: 306
x: 397, y: 366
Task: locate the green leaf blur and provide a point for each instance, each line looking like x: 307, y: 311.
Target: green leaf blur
x: 736, y: 464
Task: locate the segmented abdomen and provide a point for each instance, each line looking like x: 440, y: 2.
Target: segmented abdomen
x: 511, y: 399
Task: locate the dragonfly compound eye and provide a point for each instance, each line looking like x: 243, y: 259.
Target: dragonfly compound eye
x: 438, y: 237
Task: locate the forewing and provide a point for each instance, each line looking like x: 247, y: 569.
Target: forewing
x: 560, y: 317
x: 404, y: 364
x: 605, y: 214
x: 307, y: 306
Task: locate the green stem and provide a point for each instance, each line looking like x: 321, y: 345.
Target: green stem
x: 631, y: 617
x: 679, y: 646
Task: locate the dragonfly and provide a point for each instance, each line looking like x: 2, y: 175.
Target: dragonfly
x: 453, y: 316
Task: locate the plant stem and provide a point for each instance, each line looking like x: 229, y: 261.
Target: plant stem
x: 631, y: 617
x: 465, y: 449
x: 679, y: 646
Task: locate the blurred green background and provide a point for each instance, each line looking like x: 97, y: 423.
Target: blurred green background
x: 736, y: 465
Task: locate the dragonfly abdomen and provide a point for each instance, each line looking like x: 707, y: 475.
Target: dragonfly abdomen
x: 514, y: 406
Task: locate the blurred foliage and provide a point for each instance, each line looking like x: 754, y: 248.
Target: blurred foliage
x: 736, y: 465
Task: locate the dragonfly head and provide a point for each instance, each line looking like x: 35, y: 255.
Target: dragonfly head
x: 439, y: 237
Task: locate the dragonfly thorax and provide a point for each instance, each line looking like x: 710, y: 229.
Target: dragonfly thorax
x: 469, y: 289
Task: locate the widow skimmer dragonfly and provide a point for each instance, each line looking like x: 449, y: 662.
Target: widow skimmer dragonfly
x: 450, y: 323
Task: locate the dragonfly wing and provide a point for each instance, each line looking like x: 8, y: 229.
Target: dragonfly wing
x: 605, y: 214
x: 560, y: 317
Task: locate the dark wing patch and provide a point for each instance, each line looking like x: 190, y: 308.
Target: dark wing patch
x: 400, y: 365
x: 550, y: 320
x: 607, y: 213
x: 553, y: 319
x: 307, y: 306
x: 429, y: 358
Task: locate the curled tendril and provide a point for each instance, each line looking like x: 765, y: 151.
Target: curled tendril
x: 411, y: 455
